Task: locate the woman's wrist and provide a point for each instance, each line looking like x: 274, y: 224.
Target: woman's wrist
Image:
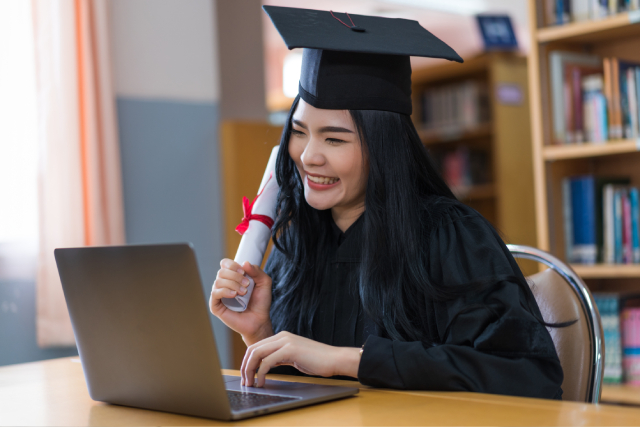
x: 348, y: 361
x: 265, y: 331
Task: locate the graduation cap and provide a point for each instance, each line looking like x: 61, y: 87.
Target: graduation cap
x: 356, y: 62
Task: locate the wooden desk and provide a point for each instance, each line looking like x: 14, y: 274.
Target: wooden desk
x: 54, y: 393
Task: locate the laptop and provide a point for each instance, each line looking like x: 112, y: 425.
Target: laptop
x: 142, y: 327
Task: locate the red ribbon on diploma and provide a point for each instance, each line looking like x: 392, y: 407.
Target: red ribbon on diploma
x: 248, y: 216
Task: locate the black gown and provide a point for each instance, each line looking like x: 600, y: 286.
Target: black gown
x: 510, y: 354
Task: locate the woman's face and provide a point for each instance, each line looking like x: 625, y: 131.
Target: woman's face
x: 326, y: 148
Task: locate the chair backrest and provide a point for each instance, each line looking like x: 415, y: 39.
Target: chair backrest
x: 562, y: 296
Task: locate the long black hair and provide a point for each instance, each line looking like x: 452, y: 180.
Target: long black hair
x: 402, y: 180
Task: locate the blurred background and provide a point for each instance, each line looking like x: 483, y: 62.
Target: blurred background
x: 147, y: 121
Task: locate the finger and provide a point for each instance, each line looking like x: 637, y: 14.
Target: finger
x: 277, y: 337
x: 231, y: 265
x: 253, y: 357
x: 224, y: 273
x: 281, y: 356
x: 256, y: 273
x: 229, y: 284
x: 220, y: 293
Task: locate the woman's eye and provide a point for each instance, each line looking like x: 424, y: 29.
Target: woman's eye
x: 296, y: 132
x: 334, y: 141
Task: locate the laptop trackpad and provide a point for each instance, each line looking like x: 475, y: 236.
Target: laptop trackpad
x: 272, y: 387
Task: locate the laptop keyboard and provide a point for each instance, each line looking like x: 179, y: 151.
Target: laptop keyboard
x: 244, y: 400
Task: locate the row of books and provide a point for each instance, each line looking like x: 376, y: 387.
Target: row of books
x: 456, y: 107
x: 601, y: 220
x: 593, y: 99
x: 620, y: 316
x: 462, y: 168
x: 559, y: 12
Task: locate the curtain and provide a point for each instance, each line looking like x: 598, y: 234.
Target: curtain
x: 80, y: 190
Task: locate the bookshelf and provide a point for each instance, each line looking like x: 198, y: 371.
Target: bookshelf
x: 613, y: 36
x: 506, y: 196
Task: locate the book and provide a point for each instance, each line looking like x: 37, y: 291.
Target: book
x: 563, y: 11
x: 599, y: 9
x: 584, y: 222
x: 456, y: 107
x: 594, y: 106
x: 630, y: 334
x: 608, y: 306
x: 632, y: 100
x: 627, y: 256
x: 617, y: 226
x: 580, y: 10
x: 559, y: 62
x: 611, y: 221
x: 567, y: 215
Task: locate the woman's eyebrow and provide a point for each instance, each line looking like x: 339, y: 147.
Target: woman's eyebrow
x: 328, y: 129
x: 299, y: 123
x: 325, y: 129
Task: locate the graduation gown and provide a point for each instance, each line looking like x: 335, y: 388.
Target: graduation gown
x: 495, y: 345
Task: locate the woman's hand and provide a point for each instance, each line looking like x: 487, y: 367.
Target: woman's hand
x: 254, y: 324
x: 308, y: 356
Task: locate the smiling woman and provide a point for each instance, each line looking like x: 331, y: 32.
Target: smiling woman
x: 378, y: 272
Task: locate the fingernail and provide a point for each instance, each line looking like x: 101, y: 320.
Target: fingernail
x: 241, y: 271
x: 233, y: 293
x: 245, y: 282
x: 243, y: 291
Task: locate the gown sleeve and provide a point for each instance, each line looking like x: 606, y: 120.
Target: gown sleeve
x: 487, y: 341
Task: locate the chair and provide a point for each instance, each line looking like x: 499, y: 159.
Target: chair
x: 562, y: 296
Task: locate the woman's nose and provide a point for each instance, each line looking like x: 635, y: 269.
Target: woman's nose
x: 312, y: 155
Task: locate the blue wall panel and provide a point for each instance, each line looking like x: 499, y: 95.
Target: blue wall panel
x: 171, y: 181
x: 18, y: 325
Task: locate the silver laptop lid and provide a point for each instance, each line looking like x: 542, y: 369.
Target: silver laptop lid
x: 115, y: 296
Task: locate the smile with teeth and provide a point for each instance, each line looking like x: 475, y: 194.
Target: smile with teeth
x: 323, y: 180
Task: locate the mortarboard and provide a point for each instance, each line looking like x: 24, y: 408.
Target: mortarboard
x: 356, y: 62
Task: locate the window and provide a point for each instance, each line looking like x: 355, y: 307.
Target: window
x: 18, y: 142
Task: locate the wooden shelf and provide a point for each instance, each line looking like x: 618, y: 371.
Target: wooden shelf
x: 475, y: 192
x: 578, y: 151
x: 607, y: 271
x: 621, y: 394
x: 429, y: 136
x: 621, y: 25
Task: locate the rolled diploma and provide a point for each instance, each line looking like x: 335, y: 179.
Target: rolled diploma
x: 255, y: 240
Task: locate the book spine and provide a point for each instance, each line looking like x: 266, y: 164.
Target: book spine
x: 613, y: 7
x: 617, y: 111
x: 580, y: 10
x: 578, y: 119
x: 635, y: 224
x: 630, y: 322
x: 568, y: 219
x: 599, y: 9
x: 567, y: 86
x: 633, y: 102
x: 603, y: 119
x: 626, y: 228
x: 608, y: 227
x: 624, y: 104
x: 617, y: 218
x: 608, y: 93
x: 608, y: 307
x: 583, y: 213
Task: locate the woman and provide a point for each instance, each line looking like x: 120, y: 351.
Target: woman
x: 371, y: 247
